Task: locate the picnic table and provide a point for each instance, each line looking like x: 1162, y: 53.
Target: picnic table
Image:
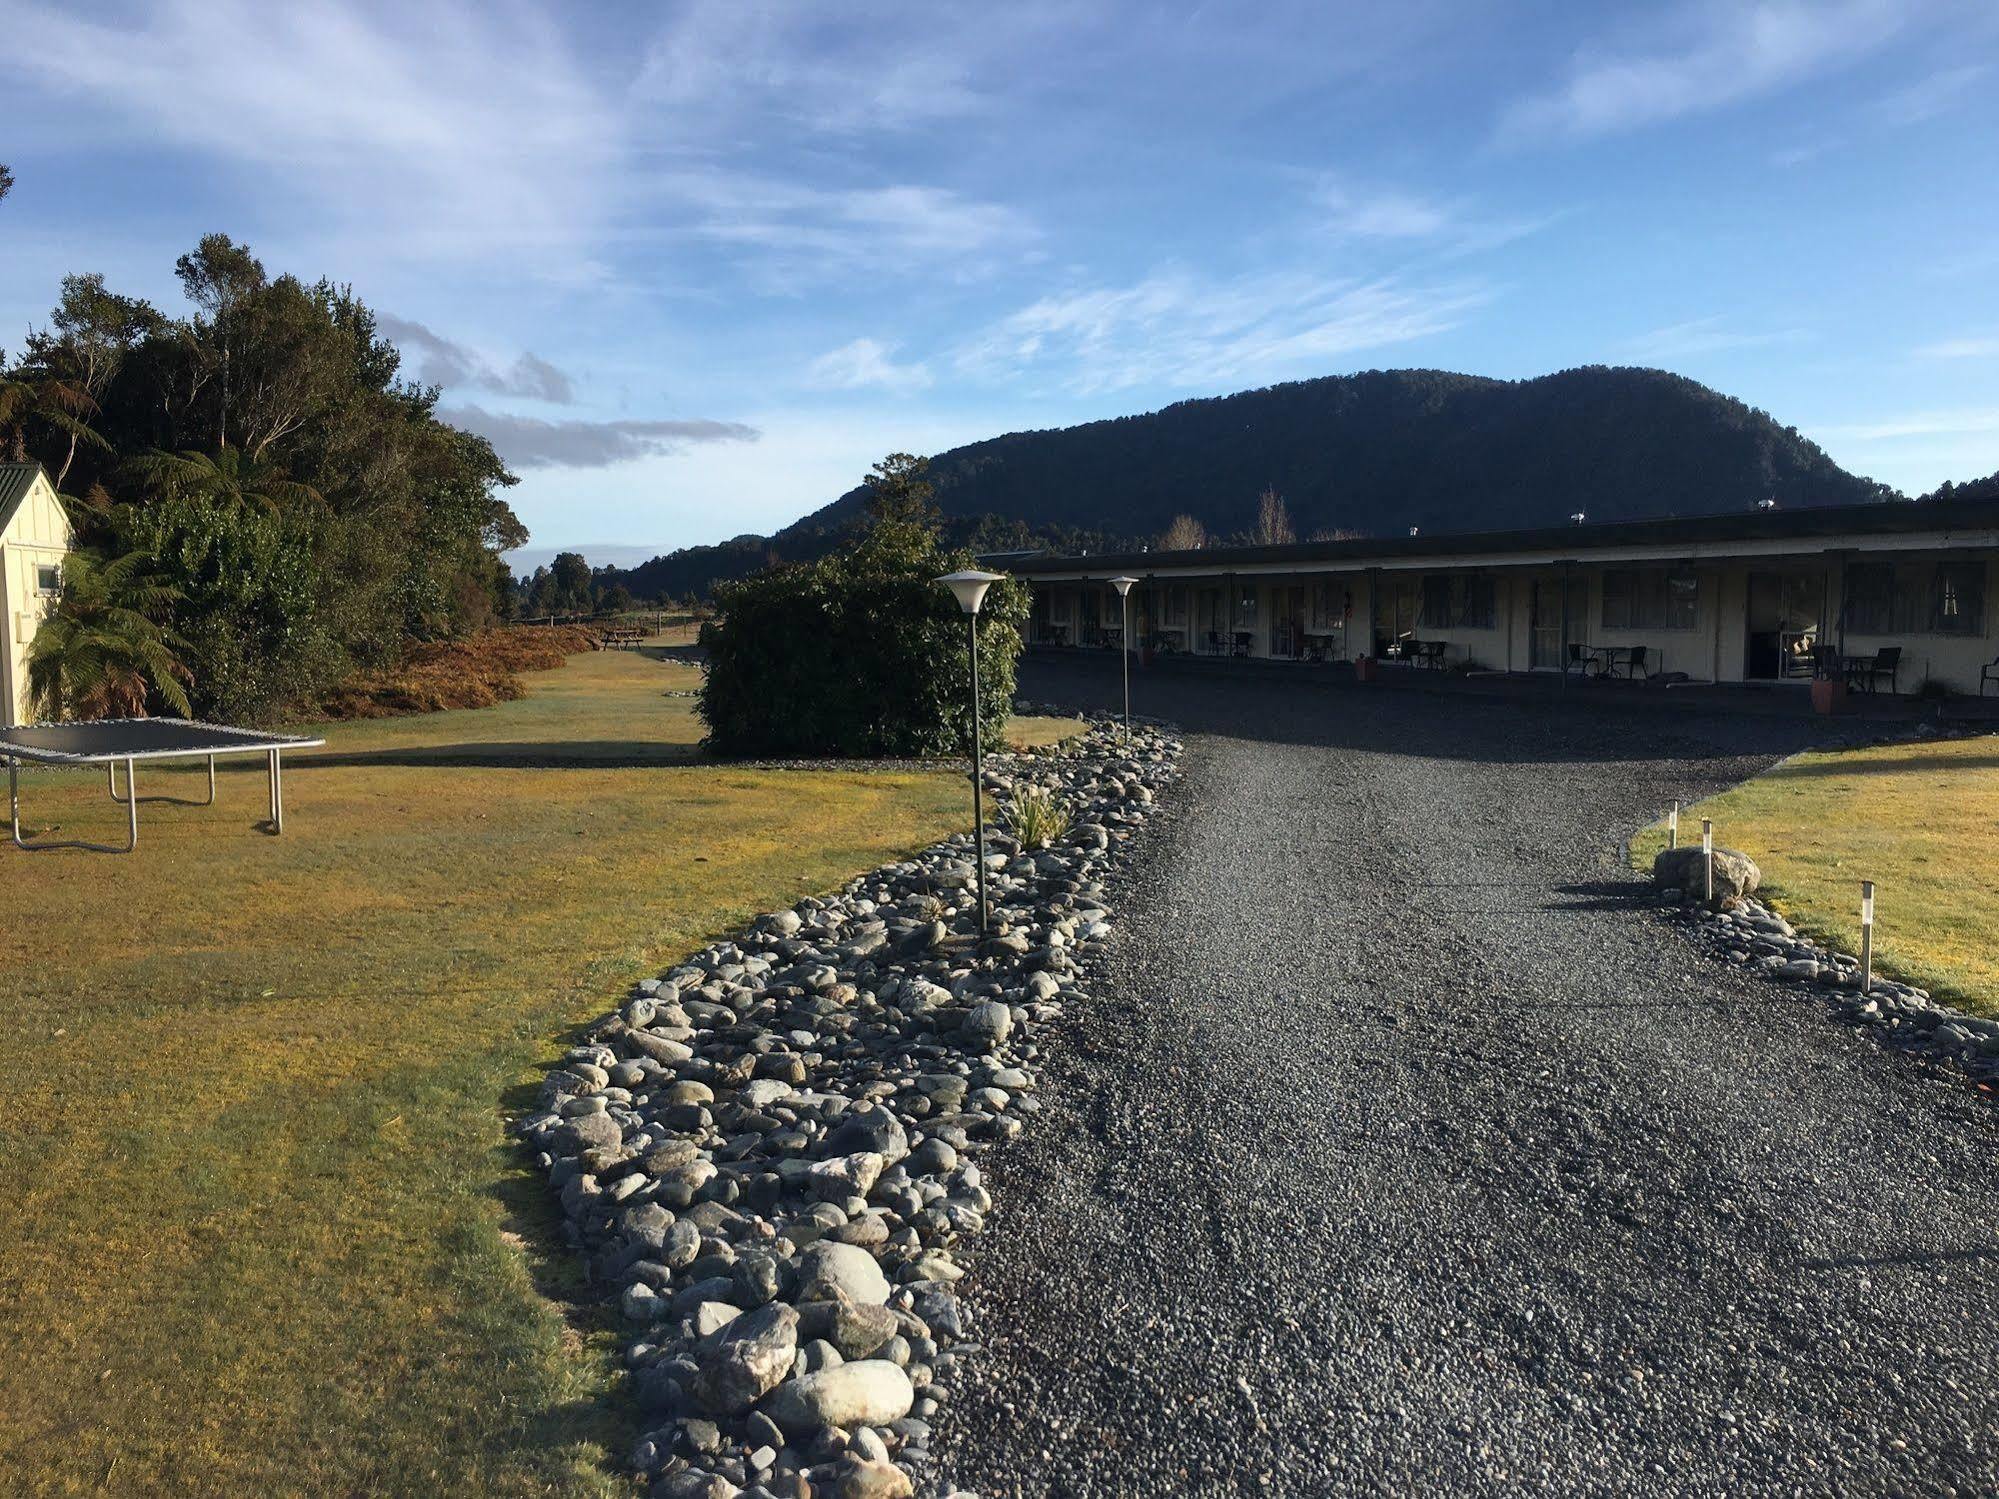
x: 108, y: 741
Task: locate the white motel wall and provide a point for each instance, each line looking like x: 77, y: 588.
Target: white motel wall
x: 1736, y: 598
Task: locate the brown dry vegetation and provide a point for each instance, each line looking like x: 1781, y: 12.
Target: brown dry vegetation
x: 477, y: 672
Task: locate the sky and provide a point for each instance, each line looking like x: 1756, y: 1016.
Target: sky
x: 693, y: 267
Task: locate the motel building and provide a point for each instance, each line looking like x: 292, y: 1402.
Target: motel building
x: 1884, y: 597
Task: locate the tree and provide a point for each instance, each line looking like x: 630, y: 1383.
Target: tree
x: 92, y: 332
x: 617, y: 599
x: 569, y: 580
x: 6, y: 180
x: 1185, y: 534
x: 899, y: 491
x: 1273, y: 521
x: 230, y: 478
x: 102, y: 652
x: 861, y: 652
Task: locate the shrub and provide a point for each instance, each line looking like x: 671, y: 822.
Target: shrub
x: 863, y: 652
x: 1037, y: 817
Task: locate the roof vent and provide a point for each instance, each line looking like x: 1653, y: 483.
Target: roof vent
x: 1414, y: 529
x: 1577, y: 518
x: 1766, y: 504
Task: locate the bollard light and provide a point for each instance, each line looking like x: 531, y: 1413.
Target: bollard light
x: 1123, y: 587
x: 1707, y: 849
x: 969, y: 587
x: 1673, y: 827
x: 1867, y: 936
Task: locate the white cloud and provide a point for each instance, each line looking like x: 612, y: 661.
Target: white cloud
x: 1708, y: 335
x: 531, y: 442
x: 451, y: 129
x: 866, y: 363
x: 1977, y: 347
x: 1716, y: 55
x: 452, y: 365
x: 1383, y: 214
x: 1175, y: 329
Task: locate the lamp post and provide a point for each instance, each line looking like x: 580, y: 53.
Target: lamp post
x: 1707, y: 852
x: 1123, y: 587
x: 969, y: 586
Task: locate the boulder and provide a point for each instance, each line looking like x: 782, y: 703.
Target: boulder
x: 828, y: 1271
x: 1735, y: 874
x: 867, y: 1392
x: 988, y: 1025
x: 746, y: 1359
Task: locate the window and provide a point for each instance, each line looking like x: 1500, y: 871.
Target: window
x: 1173, y: 609
x: 1915, y: 598
x: 1479, y: 602
x: 1438, y: 614
x: 48, y: 578
x: 1245, y: 607
x: 1650, y: 598
x: 1957, y: 599
x: 1460, y: 601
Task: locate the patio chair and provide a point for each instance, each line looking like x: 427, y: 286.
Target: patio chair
x: 1578, y: 660
x: 1988, y: 674
x: 1868, y: 671
x: 1243, y: 644
x: 1635, y: 665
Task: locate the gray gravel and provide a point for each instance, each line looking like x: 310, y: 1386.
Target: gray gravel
x: 1401, y: 1147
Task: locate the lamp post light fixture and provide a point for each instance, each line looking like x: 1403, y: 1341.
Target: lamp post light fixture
x: 1123, y: 587
x: 1867, y: 936
x: 969, y: 587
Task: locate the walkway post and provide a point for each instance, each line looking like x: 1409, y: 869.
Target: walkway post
x: 1867, y: 936
x: 1123, y: 587
x: 969, y: 587
x: 1707, y: 848
x: 1673, y: 827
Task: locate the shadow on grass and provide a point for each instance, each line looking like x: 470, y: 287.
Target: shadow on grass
x: 1883, y: 767
x: 532, y: 1220
x: 586, y: 754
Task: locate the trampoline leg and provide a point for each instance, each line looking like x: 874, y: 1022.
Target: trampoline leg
x: 111, y: 774
x: 277, y: 774
x: 131, y: 802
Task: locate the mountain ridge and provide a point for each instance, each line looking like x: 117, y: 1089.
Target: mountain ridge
x: 1369, y: 453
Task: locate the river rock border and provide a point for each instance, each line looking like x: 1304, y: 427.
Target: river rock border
x: 1900, y: 1015
x: 770, y: 1154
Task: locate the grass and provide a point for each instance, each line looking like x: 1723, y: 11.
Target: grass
x: 1921, y: 820
x: 263, y: 1231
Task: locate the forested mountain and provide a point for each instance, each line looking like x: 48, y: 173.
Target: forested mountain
x: 1372, y: 453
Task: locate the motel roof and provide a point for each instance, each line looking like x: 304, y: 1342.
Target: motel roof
x: 1886, y: 525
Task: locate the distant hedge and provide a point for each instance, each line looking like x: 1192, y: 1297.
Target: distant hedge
x: 860, y: 653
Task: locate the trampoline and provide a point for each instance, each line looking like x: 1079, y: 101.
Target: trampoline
x: 109, y: 741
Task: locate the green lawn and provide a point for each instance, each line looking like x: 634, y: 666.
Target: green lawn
x: 263, y: 1231
x: 1921, y: 820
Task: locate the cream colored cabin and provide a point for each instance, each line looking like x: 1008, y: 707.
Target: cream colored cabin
x: 1774, y: 597
x: 35, y: 537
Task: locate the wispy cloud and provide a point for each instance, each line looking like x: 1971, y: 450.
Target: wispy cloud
x: 452, y: 365
x: 1980, y: 346
x: 1708, y: 335
x: 864, y: 364
x: 392, y: 122
x: 1938, y: 423
x: 1712, y: 56
x: 1939, y: 93
x: 530, y: 442
x: 1176, y: 329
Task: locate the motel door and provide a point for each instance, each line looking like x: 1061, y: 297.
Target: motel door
x: 1783, y: 634
x: 1545, y: 616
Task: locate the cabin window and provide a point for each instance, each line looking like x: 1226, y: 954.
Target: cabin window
x: 1915, y: 598
x: 1650, y: 598
x: 1173, y: 607
x: 1462, y: 601
x: 48, y: 578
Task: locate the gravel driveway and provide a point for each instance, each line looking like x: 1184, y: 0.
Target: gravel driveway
x: 1401, y: 1149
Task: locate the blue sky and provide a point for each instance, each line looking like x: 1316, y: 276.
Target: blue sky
x: 694, y: 267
